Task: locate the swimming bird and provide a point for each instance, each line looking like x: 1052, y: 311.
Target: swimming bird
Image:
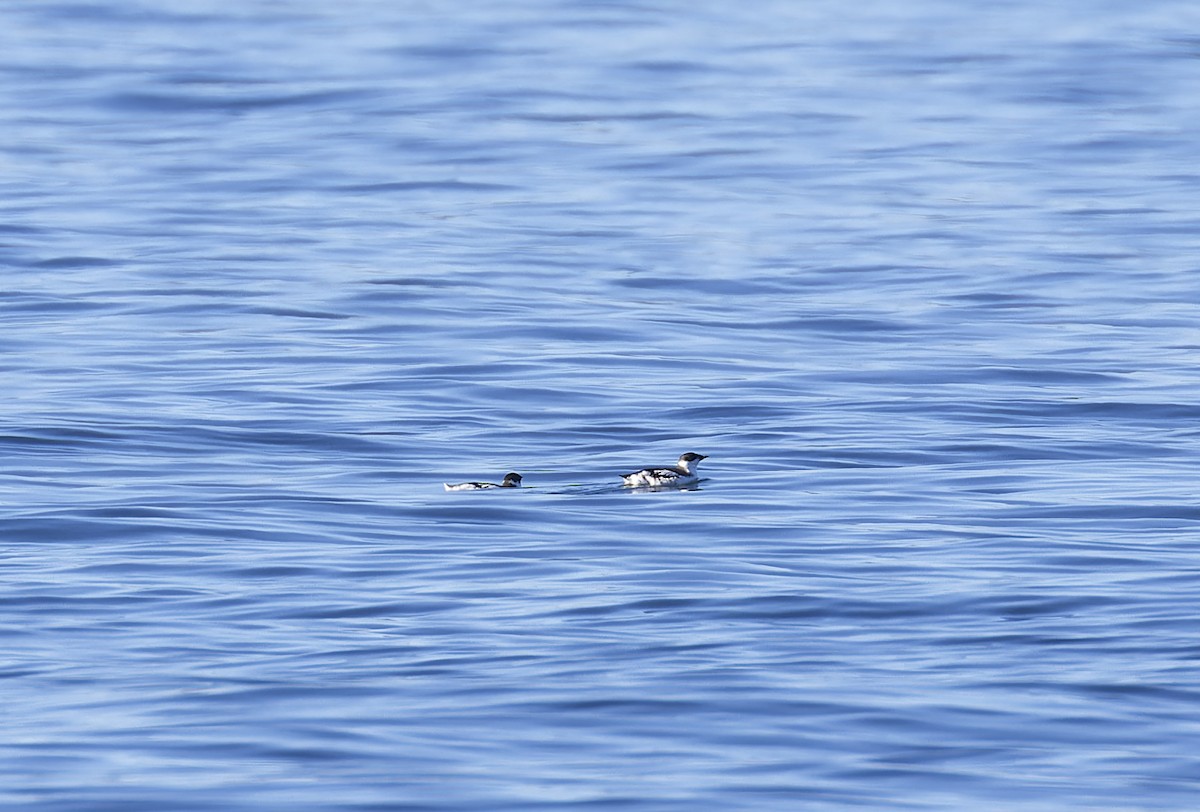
x: 682, y: 474
x: 511, y: 480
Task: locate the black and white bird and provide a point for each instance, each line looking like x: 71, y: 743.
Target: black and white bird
x: 682, y: 474
x: 511, y: 480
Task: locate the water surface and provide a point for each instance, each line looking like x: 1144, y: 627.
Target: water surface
x: 919, y: 278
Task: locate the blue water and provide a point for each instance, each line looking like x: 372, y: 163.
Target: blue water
x: 921, y: 278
